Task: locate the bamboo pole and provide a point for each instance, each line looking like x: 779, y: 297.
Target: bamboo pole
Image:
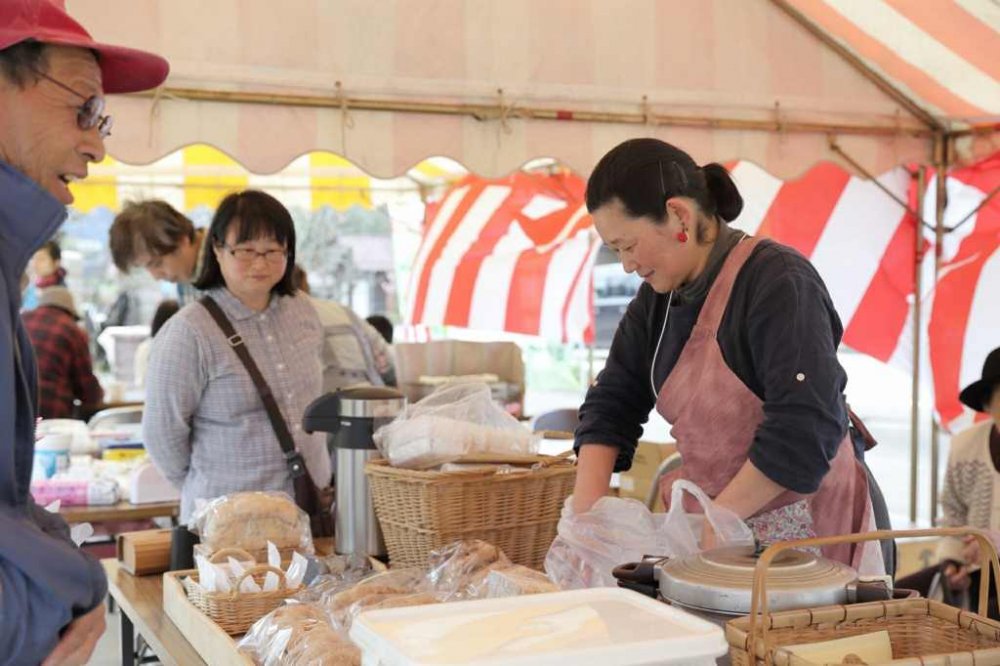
x: 487, y: 112
x: 918, y: 252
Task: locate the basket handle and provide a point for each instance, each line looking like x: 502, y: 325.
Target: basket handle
x: 758, y: 597
x: 259, y: 568
x: 219, y: 555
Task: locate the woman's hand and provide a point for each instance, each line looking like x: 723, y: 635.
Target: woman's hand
x: 957, y: 576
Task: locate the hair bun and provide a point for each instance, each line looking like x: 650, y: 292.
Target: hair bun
x: 722, y: 189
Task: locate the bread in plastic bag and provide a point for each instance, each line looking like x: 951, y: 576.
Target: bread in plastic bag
x: 455, y: 420
x: 397, y: 581
x: 336, y: 574
x: 248, y: 520
x: 271, y: 638
x: 323, y: 647
x: 458, y: 570
x: 615, y: 531
x: 515, y: 581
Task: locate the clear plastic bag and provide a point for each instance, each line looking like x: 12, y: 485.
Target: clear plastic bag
x: 453, y: 421
x: 458, y: 570
x: 683, y: 530
x: 615, y: 531
x: 289, y: 630
x: 515, y: 581
x: 336, y: 574
x: 345, y: 604
x: 249, y: 520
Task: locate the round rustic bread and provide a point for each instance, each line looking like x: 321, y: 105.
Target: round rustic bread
x: 250, y: 520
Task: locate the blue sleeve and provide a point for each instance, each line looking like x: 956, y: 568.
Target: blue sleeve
x: 45, y: 582
x: 620, y: 399
x: 793, y: 332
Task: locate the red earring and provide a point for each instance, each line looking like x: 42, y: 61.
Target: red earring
x: 682, y: 236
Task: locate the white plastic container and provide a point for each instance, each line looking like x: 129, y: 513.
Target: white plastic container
x: 51, y: 455
x: 594, y: 627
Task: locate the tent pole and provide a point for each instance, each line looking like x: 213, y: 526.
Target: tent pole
x: 486, y: 112
x: 918, y: 253
x: 941, y: 157
x: 857, y: 166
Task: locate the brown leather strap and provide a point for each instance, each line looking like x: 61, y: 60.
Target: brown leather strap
x: 296, y: 464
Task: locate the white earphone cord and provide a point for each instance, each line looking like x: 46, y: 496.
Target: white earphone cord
x: 652, y: 367
x: 670, y: 299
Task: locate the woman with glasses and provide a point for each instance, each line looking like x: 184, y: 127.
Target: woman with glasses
x: 205, y: 425
x: 733, y: 340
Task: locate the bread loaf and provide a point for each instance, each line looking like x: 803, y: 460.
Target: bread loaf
x: 322, y: 647
x: 250, y: 520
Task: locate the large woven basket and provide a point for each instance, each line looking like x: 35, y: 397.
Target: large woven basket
x: 236, y: 611
x: 421, y: 511
x: 922, y: 632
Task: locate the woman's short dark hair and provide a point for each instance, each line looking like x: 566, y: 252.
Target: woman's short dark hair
x: 257, y: 215
x: 644, y: 173
x: 53, y: 250
x: 164, y: 311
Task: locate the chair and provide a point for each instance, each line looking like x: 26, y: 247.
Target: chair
x: 564, y: 420
x: 115, y: 416
x: 669, y: 464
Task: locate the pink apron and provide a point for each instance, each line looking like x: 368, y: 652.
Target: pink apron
x: 715, y: 415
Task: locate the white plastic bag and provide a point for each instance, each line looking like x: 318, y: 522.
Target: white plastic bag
x: 616, y: 531
x: 683, y: 530
x: 456, y: 420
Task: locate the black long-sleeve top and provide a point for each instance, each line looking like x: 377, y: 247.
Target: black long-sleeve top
x: 779, y: 324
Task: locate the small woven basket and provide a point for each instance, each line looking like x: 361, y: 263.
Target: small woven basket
x: 236, y: 611
x: 421, y: 511
x: 922, y: 632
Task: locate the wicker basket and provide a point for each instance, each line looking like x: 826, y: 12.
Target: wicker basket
x: 421, y: 511
x: 922, y: 632
x: 235, y: 611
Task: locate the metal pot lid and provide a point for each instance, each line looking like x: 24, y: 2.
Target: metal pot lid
x: 720, y: 580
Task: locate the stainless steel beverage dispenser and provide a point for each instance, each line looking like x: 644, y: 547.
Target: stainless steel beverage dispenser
x: 350, y: 417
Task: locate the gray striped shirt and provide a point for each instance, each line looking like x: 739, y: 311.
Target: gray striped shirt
x: 204, y: 424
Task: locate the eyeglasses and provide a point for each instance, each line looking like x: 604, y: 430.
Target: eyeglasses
x: 245, y: 255
x: 89, y: 114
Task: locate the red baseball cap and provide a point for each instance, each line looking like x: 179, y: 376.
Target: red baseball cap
x: 122, y: 69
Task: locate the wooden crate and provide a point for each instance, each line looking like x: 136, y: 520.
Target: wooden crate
x: 213, y: 644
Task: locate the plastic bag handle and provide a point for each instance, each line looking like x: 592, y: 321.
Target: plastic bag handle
x: 758, y: 596
x: 677, y: 490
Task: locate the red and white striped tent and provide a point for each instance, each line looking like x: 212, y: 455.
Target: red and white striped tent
x: 513, y: 254
x: 516, y: 254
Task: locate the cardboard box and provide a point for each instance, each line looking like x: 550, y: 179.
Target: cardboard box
x: 460, y: 357
x: 635, y: 483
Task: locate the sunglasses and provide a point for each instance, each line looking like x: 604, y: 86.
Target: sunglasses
x: 89, y: 114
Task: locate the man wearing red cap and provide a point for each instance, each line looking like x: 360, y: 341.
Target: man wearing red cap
x: 53, y: 78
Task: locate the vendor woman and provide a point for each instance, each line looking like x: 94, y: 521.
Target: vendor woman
x: 734, y: 340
